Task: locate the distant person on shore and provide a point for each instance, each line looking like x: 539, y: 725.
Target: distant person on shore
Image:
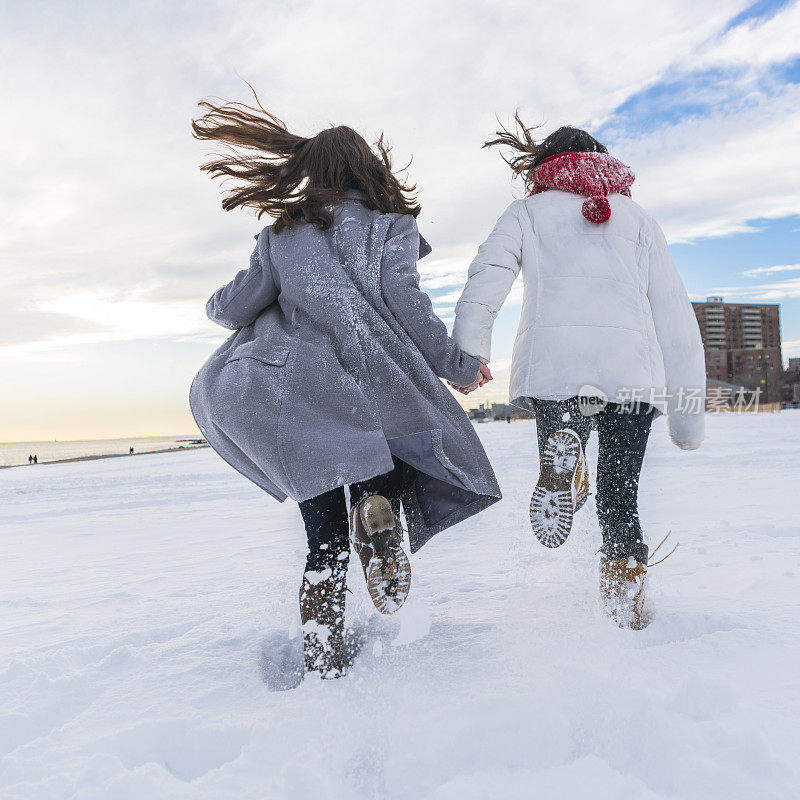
x: 30, y: 459
x: 607, y: 330
x: 35, y: 459
x: 332, y: 375
x: 130, y: 452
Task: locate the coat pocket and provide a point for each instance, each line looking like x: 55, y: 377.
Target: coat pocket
x: 273, y: 355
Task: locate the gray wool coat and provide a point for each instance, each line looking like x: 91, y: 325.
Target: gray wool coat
x: 333, y: 368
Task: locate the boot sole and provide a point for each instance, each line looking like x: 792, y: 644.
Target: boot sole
x: 551, y: 508
x: 389, y: 577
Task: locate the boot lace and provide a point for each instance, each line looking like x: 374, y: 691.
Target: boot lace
x: 651, y: 563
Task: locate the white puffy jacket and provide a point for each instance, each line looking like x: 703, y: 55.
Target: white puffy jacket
x: 603, y: 306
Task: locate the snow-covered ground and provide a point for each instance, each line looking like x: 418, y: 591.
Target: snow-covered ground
x: 149, y: 621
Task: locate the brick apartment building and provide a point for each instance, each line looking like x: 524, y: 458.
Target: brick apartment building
x: 791, y: 382
x: 742, y: 342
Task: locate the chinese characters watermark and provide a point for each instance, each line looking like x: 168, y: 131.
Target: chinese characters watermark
x: 687, y: 400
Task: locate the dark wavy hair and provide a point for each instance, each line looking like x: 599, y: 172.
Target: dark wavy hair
x: 293, y: 178
x: 530, y: 153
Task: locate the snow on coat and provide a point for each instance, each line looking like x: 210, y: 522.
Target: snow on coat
x: 333, y: 369
x: 603, y: 306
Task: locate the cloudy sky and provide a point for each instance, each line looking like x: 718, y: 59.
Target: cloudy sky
x: 111, y: 239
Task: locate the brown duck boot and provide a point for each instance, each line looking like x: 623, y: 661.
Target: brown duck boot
x: 322, y: 600
x: 562, y: 487
x: 580, y: 483
x: 377, y: 538
x: 622, y: 592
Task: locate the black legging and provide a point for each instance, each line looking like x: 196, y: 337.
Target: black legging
x: 622, y: 435
x: 327, y: 525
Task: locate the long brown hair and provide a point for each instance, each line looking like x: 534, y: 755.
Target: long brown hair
x: 529, y: 153
x: 293, y: 178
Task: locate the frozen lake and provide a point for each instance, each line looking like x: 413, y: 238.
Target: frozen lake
x: 148, y: 617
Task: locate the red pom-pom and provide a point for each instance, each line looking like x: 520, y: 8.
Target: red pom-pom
x: 596, y: 209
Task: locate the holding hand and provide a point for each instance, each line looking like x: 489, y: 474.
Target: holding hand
x: 484, y: 376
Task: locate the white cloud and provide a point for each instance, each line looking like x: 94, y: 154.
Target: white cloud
x: 95, y: 317
x: 765, y: 292
x: 756, y: 42
x: 751, y: 273
x: 101, y: 188
x: 445, y: 270
x: 712, y: 176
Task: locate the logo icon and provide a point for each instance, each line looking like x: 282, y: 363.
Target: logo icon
x: 591, y: 400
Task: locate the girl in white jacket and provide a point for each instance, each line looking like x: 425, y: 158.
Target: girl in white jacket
x: 607, y: 337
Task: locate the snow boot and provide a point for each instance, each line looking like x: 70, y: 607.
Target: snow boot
x: 622, y: 592
x: 563, y: 481
x: 322, y: 600
x: 581, y: 482
x: 377, y: 538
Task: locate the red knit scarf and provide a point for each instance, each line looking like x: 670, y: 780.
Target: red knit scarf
x: 595, y: 175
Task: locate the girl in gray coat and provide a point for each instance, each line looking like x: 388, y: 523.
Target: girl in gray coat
x: 332, y: 375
